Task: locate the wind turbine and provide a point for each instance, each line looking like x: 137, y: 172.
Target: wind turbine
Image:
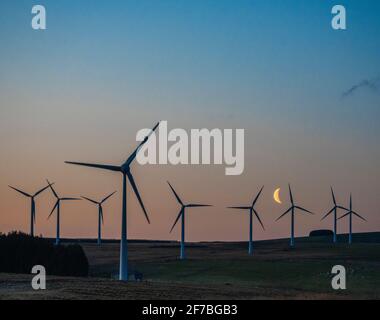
x: 182, y: 216
x: 100, y: 217
x: 125, y: 170
x: 292, y: 210
x: 350, y: 213
x: 252, y: 211
x: 58, y: 207
x: 33, y: 205
x: 335, y: 210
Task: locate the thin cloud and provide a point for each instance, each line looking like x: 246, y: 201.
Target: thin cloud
x: 373, y: 85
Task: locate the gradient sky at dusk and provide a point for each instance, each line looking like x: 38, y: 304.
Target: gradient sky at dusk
x: 105, y: 69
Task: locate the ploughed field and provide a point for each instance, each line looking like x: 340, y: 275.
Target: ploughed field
x: 216, y: 271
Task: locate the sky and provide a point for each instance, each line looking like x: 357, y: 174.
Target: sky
x: 307, y: 96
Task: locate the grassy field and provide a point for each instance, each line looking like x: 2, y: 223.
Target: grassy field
x: 217, y: 271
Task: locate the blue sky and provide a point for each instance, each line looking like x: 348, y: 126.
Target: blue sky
x: 214, y: 53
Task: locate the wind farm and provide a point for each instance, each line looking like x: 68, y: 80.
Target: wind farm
x: 199, y: 150
x: 211, y: 263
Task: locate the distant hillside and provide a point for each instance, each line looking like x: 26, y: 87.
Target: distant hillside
x: 368, y: 237
x: 89, y: 240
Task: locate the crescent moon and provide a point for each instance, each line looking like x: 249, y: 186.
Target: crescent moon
x: 276, y: 196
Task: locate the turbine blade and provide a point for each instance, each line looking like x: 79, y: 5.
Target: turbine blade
x: 342, y: 208
x: 285, y: 213
x: 257, y: 197
x: 134, y: 154
x: 52, y: 189
x: 291, y: 195
x: 176, y: 220
x: 198, y: 205
x: 71, y: 199
x: 344, y: 215
x: 303, y: 209
x: 98, y: 166
x: 176, y: 195
x: 106, y: 198
x: 22, y: 192
x: 258, y: 218
x: 55, y: 206
x: 42, y: 190
x: 240, y: 208
x: 333, y: 196
x: 88, y: 199
x: 328, y: 213
x: 133, y: 184
x: 359, y: 216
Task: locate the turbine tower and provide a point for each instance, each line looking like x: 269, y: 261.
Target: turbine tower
x: 182, y: 216
x: 252, y: 211
x: 100, y: 215
x: 32, y: 205
x: 58, y: 207
x: 335, y: 210
x: 125, y: 170
x: 350, y: 213
x: 292, y: 210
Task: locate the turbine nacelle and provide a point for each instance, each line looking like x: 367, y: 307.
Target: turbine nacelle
x: 100, y: 204
x: 352, y: 212
x: 252, y: 209
x: 196, y: 205
x: 293, y: 206
x: 59, y: 199
x: 292, y: 210
x: 335, y: 207
x: 184, y: 206
x: 33, y: 205
x: 31, y: 195
x: 125, y: 169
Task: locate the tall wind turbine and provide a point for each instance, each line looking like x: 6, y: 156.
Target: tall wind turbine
x: 125, y: 170
x: 58, y: 207
x: 350, y: 213
x: 182, y: 216
x: 292, y: 210
x: 252, y: 211
x: 100, y: 216
x: 335, y: 210
x: 33, y: 205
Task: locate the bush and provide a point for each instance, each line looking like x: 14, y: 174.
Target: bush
x: 20, y: 252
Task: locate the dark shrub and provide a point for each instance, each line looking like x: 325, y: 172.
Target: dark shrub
x: 20, y: 252
x: 321, y: 233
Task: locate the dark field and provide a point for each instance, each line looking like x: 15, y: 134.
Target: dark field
x: 218, y: 271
